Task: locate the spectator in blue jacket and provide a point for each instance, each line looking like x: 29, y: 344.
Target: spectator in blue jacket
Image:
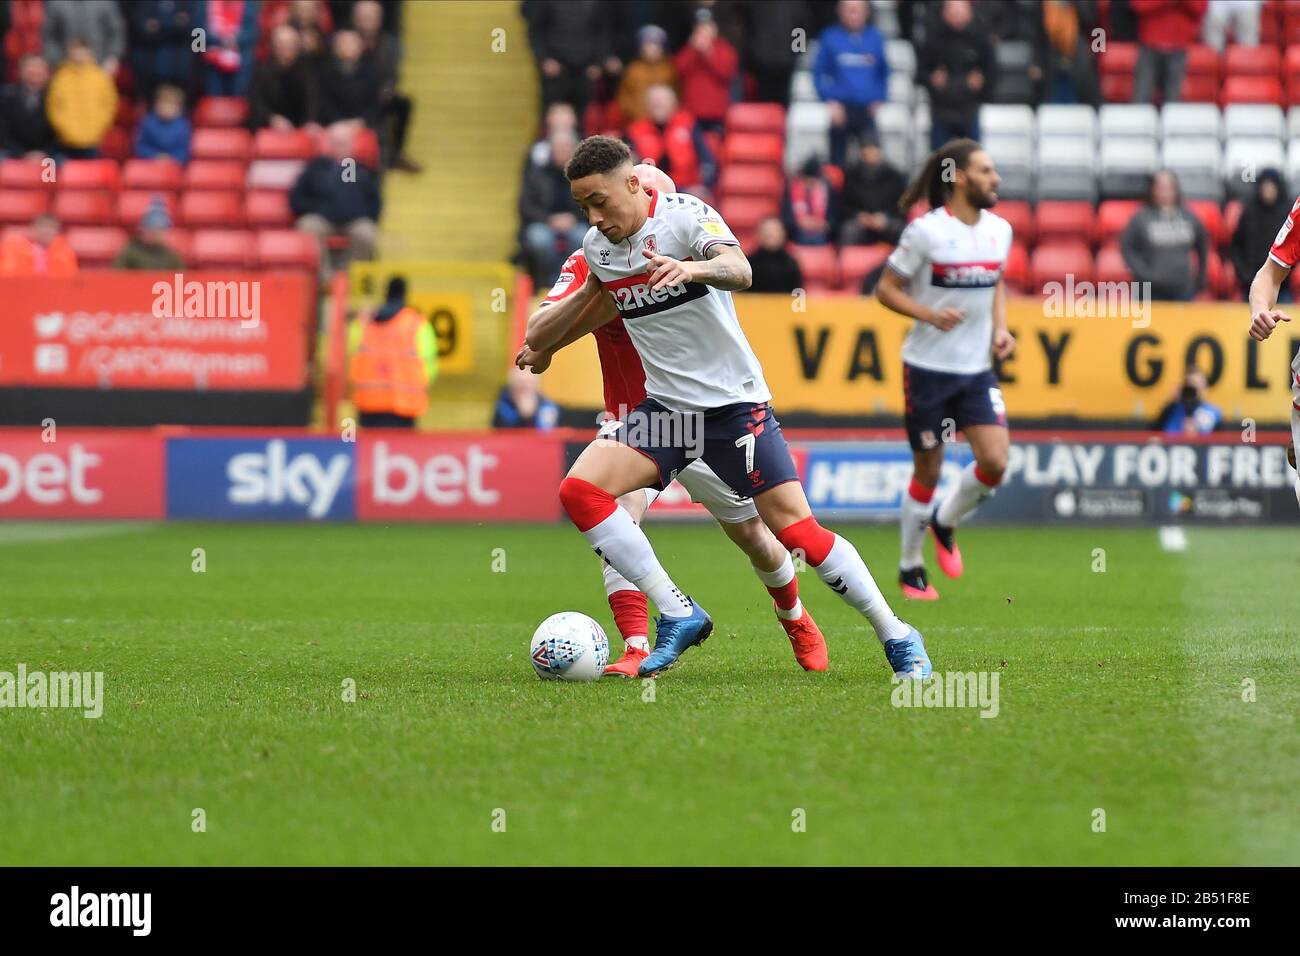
x: 165, y: 131
x: 521, y: 404
x: 851, y: 75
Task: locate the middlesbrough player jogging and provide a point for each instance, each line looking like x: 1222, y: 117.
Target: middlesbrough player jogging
x: 670, y: 263
x: 946, y: 273
x: 624, y: 388
x: 1265, y: 315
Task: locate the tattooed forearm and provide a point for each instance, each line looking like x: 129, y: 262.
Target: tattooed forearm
x: 726, y: 268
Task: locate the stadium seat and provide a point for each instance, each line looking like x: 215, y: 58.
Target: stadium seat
x: 1128, y: 121
x: 283, y: 144
x: 1126, y: 167
x: 1116, y: 67
x: 267, y: 209
x: 221, y: 111
x: 744, y: 179
x: 20, y: 206
x: 1014, y: 158
x: 1020, y: 215
x: 1071, y: 121
x: 27, y: 174
x: 756, y: 118
x: 222, y: 249
x: 1291, y: 72
x: 1239, y: 60
x: 179, y: 241
x: 1058, y: 220
x: 901, y: 57
x: 365, y: 148
x: 157, y: 174
x: 807, y: 133
x: 85, y: 207
x: 274, y: 173
x: 894, y: 127
x: 1066, y: 169
x: 117, y: 145
x: 1253, y: 119
x: 221, y: 143
x: 1110, y: 264
x: 1198, y: 163
x: 214, y: 174
x: 1053, y: 261
x: 753, y: 148
x: 746, y: 212
x: 1012, y: 84
x: 89, y: 174
x: 1184, y: 120
x: 819, y: 266
x: 1016, y: 272
x: 1209, y: 214
x: 901, y: 88
x: 857, y: 261
x: 1228, y: 222
x: 1203, y: 63
x: 1245, y: 158
x: 802, y: 88
x: 96, y: 246
x: 1200, y: 88
x: 1112, y: 216
x: 133, y: 203
x: 214, y: 208
x: 1250, y: 89
x: 288, y: 249
x: 998, y: 119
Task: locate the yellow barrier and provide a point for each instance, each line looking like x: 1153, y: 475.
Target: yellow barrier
x: 842, y: 356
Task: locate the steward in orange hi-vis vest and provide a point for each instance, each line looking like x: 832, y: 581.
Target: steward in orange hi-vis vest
x: 393, y: 364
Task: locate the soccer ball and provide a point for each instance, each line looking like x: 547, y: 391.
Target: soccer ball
x: 569, y: 646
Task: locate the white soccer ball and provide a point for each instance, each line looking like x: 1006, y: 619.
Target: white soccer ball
x: 569, y: 646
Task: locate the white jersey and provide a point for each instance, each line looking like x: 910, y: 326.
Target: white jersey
x: 952, y: 265
x: 695, y: 355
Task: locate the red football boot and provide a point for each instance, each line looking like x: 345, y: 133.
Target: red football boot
x: 626, y: 666
x: 807, y: 642
x: 916, y: 585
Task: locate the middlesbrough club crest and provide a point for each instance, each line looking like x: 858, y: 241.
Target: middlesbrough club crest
x: 650, y: 243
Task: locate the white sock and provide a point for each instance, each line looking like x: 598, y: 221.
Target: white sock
x: 1295, y: 441
x: 779, y: 579
x: 963, y: 499
x: 912, y: 523
x: 846, y: 574
x: 624, y: 545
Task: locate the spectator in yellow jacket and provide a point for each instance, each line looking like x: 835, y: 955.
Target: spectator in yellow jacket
x: 82, y: 101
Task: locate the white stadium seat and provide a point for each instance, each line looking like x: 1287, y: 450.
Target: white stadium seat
x: 1070, y: 121
x: 1007, y: 120
x: 1253, y: 119
x: 1183, y: 120
x: 1128, y: 121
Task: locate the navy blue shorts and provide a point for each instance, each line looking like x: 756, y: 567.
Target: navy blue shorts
x: 742, y: 443
x: 936, y: 404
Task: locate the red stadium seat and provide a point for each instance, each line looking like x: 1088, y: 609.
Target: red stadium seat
x: 756, y: 118
x: 856, y: 262
x: 1208, y: 212
x: 1228, y: 224
x: 159, y: 174
x: 1241, y: 60
x: 288, y: 249
x: 1110, y: 264
x: 745, y: 179
x: 1201, y: 88
x: 274, y: 173
x: 746, y: 212
x: 1016, y: 273
x: 179, y: 240
x: 221, y: 111
x: 214, y: 174
x: 96, y: 246
x: 1020, y: 215
x: 89, y: 174
x: 1116, y: 67
x: 753, y: 148
x: 85, y: 207
x: 1203, y: 60
x: 819, y: 265
x: 222, y: 249
x: 366, y: 148
x: 118, y: 144
x: 215, y: 208
x: 267, y: 209
x: 1053, y: 261
x: 1251, y: 89
x: 283, y: 144
x: 1113, y: 215
x: 27, y: 174
x: 21, y: 206
x: 133, y: 203
x: 1064, y: 219
x: 234, y: 144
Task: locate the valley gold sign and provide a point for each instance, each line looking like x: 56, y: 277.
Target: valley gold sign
x: 842, y: 357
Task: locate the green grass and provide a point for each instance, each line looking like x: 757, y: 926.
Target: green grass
x: 1119, y: 690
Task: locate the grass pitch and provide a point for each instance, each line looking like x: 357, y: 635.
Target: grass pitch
x: 1120, y: 690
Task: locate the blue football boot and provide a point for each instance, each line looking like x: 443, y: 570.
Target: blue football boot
x: 907, y: 656
x: 673, y: 635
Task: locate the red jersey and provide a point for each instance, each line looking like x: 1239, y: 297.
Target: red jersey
x: 1286, y: 247
x: 620, y: 366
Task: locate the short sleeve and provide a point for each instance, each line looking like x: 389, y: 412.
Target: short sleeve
x: 1285, y: 250
x: 911, y: 252
x: 573, y: 274
x: 701, y: 228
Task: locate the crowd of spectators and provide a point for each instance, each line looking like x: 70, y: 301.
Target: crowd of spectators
x: 72, y: 72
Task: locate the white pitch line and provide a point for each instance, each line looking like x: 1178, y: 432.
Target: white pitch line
x: 1173, y: 538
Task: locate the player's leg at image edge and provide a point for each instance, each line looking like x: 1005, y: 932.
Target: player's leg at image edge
x: 914, y: 519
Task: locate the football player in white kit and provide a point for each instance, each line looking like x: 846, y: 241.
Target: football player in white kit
x: 670, y: 263
x: 1265, y: 315
x: 946, y: 273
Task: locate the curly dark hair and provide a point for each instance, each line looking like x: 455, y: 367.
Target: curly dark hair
x: 597, y: 154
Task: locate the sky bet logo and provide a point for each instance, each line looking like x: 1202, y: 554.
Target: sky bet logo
x: 293, y: 479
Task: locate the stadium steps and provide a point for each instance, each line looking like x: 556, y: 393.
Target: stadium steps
x: 475, y: 116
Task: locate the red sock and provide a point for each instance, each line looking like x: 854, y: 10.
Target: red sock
x: 787, y: 595
x: 631, y: 614
x: 809, y: 537
x: 920, y: 492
